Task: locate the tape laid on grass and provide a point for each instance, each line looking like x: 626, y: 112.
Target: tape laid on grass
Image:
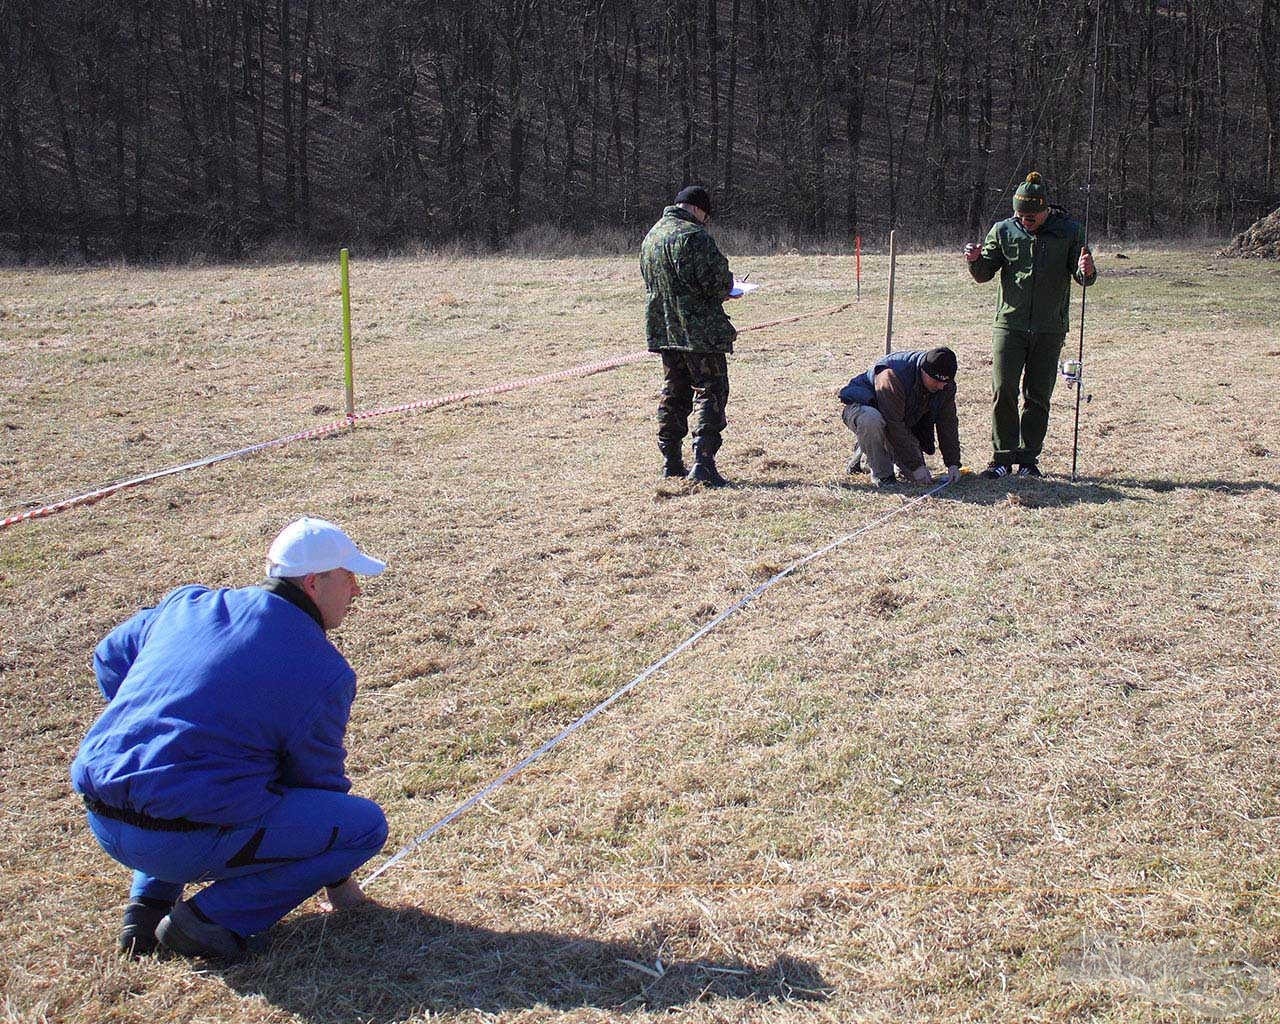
x: 621, y: 692
x: 90, y: 497
x: 584, y: 370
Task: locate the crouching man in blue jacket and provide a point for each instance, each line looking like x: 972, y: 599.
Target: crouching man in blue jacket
x: 220, y: 754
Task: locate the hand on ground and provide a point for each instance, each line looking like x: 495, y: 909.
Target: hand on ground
x: 922, y: 475
x: 344, y: 896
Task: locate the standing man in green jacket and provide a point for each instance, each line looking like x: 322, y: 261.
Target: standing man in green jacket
x: 688, y: 280
x: 1038, y: 251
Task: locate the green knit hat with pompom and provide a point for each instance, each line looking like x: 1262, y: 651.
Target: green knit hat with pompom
x: 1031, y: 197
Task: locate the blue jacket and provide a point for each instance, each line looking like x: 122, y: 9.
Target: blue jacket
x: 218, y: 700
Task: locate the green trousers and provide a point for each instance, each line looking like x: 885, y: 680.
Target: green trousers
x: 1023, y: 362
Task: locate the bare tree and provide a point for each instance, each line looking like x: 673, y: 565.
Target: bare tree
x: 731, y: 97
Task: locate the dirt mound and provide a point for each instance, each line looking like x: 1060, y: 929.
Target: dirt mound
x: 1261, y: 241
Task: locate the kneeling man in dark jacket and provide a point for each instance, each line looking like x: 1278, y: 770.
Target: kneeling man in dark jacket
x: 894, y: 409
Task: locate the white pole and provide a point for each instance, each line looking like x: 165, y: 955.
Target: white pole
x: 893, y: 269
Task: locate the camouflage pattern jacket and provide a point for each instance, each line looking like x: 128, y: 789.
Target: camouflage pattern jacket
x: 688, y: 280
x: 1035, y: 271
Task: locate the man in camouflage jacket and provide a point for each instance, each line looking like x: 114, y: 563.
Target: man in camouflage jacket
x: 1037, y: 252
x: 688, y: 279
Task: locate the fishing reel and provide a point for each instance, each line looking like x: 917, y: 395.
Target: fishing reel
x: 1072, y: 373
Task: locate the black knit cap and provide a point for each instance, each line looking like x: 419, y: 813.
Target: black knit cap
x: 940, y: 364
x: 695, y: 195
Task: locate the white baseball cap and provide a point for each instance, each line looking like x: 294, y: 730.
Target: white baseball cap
x: 313, y: 545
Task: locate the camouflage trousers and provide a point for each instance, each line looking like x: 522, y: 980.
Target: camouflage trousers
x: 693, y: 381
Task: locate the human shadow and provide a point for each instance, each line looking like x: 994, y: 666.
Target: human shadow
x: 1233, y: 487
x: 382, y: 963
x: 1045, y: 492
x: 1059, y: 492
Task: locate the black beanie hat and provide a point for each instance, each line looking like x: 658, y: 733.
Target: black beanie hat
x: 939, y: 363
x: 695, y: 195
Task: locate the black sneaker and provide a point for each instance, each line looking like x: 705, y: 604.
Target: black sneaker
x: 995, y: 471
x: 1029, y: 469
x: 138, y: 930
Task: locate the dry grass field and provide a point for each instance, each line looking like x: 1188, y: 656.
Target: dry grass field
x: 1010, y: 757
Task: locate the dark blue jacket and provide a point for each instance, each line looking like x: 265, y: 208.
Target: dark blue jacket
x: 218, y: 700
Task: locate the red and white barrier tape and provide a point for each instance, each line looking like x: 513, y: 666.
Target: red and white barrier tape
x: 102, y: 492
x: 584, y: 370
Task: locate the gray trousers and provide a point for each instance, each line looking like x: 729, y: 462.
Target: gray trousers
x: 867, y: 423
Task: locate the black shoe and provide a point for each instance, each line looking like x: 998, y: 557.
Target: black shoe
x: 1029, y: 469
x: 704, y: 472
x: 674, y: 459
x: 187, y: 932
x: 856, y: 464
x: 892, y: 480
x: 995, y: 471
x: 138, y: 932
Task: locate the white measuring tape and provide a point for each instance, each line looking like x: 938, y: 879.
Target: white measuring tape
x: 617, y: 695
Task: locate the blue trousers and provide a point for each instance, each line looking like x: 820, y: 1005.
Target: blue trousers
x: 259, y: 870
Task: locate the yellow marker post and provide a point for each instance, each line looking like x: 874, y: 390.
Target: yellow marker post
x: 346, y: 338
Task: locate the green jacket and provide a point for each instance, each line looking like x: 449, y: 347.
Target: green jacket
x: 688, y: 280
x: 1036, y: 272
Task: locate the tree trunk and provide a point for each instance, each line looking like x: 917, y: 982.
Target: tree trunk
x: 730, y: 109
x: 713, y: 80
x: 818, y: 119
x: 637, y: 125
x: 981, y: 165
x: 304, y: 95
x: 516, y: 26
x: 69, y: 147
x: 260, y: 107
x: 14, y: 148
x: 286, y: 114
x: 1268, y: 44
x: 1153, y: 112
x: 684, y: 57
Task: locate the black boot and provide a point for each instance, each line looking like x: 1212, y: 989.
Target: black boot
x: 704, y: 471
x: 138, y: 931
x: 674, y: 465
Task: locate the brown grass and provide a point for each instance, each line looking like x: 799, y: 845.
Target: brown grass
x: 1013, y: 758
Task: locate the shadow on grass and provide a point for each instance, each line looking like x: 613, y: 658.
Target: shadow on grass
x: 1043, y: 493
x: 1058, y: 492
x: 1234, y: 487
x: 381, y: 963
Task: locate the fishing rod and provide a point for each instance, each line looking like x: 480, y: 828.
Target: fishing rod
x: 1073, y: 369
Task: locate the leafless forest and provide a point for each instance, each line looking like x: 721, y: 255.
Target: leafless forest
x: 135, y: 128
